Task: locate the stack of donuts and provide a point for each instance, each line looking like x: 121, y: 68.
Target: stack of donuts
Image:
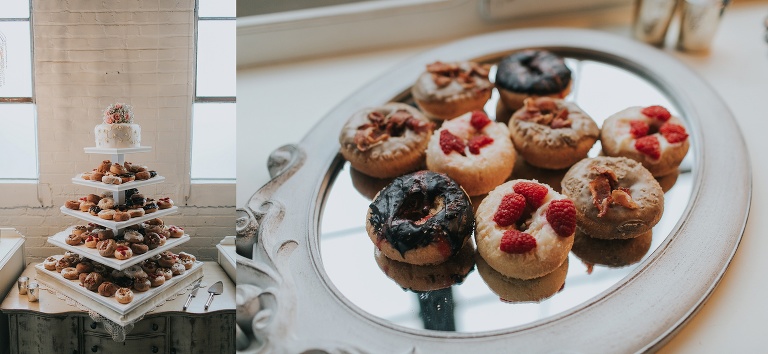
x: 444, y: 149
x: 115, y: 173
x: 136, y: 239
x: 121, y: 285
x: 104, y: 206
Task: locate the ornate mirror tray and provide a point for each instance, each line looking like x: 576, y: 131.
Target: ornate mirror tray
x: 308, y: 278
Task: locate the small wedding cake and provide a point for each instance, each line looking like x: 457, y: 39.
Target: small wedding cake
x: 118, y: 129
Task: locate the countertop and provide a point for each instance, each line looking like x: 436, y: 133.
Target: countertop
x: 278, y: 104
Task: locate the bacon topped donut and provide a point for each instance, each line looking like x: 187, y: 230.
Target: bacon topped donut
x: 448, y: 90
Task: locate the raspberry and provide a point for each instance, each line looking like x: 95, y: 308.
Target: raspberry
x: 534, y: 193
x: 638, y: 128
x: 674, y: 133
x: 477, y: 142
x: 657, y: 112
x: 450, y: 142
x: 514, y: 241
x: 479, y: 120
x: 561, y: 215
x: 510, y: 209
x: 649, y: 145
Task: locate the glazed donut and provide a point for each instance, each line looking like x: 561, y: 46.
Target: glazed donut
x: 70, y: 273
x: 420, y: 218
x: 79, y: 229
x: 136, y: 213
x: 50, y: 263
x: 178, y: 269
x: 86, y: 206
x: 525, y: 229
x: 650, y: 135
x: 107, y: 289
x: 106, y: 214
x: 150, y: 207
x: 615, y: 197
x: 175, y: 231
x: 386, y: 141
x: 474, y: 151
x: 123, y: 252
x: 104, y: 166
x: 552, y: 133
x: 93, y: 198
x: 106, y: 203
x: 133, y: 236
x: 141, y: 284
x: 156, y: 279
x: 118, y: 169
x: 518, y: 290
x: 531, y: 73
x: 164, y: 203
x: 93, y: 281
x: 121, y: 216
x: 72, y: 204
x: 74, y: 240
x: 167, y: 259
x: 124, y: 295
x: 139, y: 248
x: 447, y: 90
x: 111, y: 179
x: 142, y: 175
x: 84, y: 267
x: 106, y: 247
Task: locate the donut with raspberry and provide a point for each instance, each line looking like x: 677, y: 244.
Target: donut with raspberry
x: 552, y: 133
x: 525, y: 229
x: 447, y: 90
x: 474, y: 151
x: 615, y: 197
x: 386, y: 141
x: 650, y: 135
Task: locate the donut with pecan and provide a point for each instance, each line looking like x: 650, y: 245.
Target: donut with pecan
x: 447, y: 90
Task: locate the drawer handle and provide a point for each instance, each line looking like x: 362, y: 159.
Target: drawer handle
x: 155, y: 327
x: 93, y: 325
x: 155, y: 349
x: 94, y: 348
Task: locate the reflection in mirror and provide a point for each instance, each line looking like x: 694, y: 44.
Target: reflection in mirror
x: 484, y: 301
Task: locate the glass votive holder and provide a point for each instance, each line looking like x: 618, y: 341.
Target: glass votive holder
x: 651, y: 20
x: 699, y: 22
x: 23, y: 284
x: 33, y: 293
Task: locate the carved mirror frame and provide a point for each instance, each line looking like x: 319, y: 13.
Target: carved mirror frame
x: 286, y: 302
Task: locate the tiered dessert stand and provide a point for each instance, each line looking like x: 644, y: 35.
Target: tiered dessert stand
x: 119, y: 318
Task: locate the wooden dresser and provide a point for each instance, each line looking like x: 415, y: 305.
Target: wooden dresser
x: 53, y: 326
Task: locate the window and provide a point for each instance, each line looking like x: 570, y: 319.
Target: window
x: 213, y: 113
x: 18, y: 132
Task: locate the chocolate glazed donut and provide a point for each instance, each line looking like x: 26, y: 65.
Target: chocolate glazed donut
x: 536, y: 72
x: 418, y: 210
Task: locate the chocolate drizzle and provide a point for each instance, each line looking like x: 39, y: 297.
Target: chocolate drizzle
x: 537, y: 72
x: 420, y: 208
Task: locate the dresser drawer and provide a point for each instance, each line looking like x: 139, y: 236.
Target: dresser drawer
x: 147, y: 326
x: 105, y: 344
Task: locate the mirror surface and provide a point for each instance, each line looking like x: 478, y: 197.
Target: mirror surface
x: 485, y: 300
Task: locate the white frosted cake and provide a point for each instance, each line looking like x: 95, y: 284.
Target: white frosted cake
x: 118, y: 129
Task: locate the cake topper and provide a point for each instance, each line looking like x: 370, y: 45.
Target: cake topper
x: 118, y: 113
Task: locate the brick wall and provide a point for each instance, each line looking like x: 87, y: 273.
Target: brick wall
x: 89, y: 54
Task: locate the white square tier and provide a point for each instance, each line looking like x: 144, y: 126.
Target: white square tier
x: 117, y: 224
x: 116, y: 151
x: 117, y: 187
x: 108, y: 307
x: 59, y: 240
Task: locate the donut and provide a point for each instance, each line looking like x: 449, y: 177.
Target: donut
x: 84, y: 267
x: 187, y: 260
x: 447, y: 90
x: 474, y: 151
x: 104, y: 166
x: 97, y: 176
x: 166, y: 272
x: 106, y: 203
x: 150, y: 207
x: 106, y: 248
x: 93, y: 198
x: 155, y: 222
x: 74, y: 240
x: 164, y: 203
x: 72, y: 204
x: 386, y: 141
x: 100, y: 268
x: 106, y: 214
x: 81, y: 277
x: 121, y: 216
x: 178, y: 269
x: 91, y: 241
x: 70, y: 273
x: 79, y: 229
x: 107, y: 289
x: 552, y: 133
x: 167, y: 259
x: 121, y: 280
x: 615, y: 197
x: 94, y: 210
x: 104, y: 234
x: 141, y: 284
x: 419, y: 278
x: 93, y: 281
x: 111, y: 179
x: 149, y: 266
x: 650, y: 135
x: 134, y: 168
x: 117, y: 169
x: 531, y: 73
x: 50, y: 263
x: 152, y: 239
x: 142, y: 175
x: 123, y: 252
x: 420, y: 218
x: 513, y: 290
x: 525, y: 229
x: 127, y: 177
x: 175, y: 231
x: 86, y: 176
x: 124, y: 295
x: 136, y: 212
x: 139, y: 248
x: 611, y: 253
x: 156, y: 279
x: 133, y: 236
x: 72, y: 257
